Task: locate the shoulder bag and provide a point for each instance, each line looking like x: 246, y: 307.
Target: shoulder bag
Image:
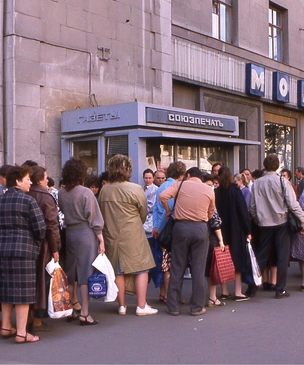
x: 165, y: 236
x: 294, y: 222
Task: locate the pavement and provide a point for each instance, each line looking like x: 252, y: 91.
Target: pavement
x: 262, y: 330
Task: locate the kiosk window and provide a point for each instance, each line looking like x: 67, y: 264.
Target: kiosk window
x: 116, y: 145
x: 87, y: 152
x: 210, y: 155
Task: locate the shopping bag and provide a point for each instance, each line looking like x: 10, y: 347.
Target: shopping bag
x: 59, y: 300
x: 256, y: 272
x: 97, y: 284
x: 103, y: 264
x: 222, y: 267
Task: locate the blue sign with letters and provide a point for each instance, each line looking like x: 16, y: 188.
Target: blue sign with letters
x: 281, y: 87
x: 255, y: 80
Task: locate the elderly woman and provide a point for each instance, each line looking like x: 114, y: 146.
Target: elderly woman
x: 84, y: 224
x: 124, y: 207
x: 22, y: 229
x: 50, y: 247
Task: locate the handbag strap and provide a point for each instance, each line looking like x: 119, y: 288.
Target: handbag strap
x: 177, y: 194
x: 283, y: 191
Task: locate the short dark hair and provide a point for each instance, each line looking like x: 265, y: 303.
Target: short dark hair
x: 51, y: 182
x: 30, y: 163
x: 257, y: 173
x: 194, y: 172
x: 176, y: 169
x: 271, y: 162
x: 300, y: 169
x: 4, y: 169
x: 15, y: 173
x: 207, y: 177
x: 37, y: 174
x: 289, y: 174
x: 148, y: 171
x: 92, y: 181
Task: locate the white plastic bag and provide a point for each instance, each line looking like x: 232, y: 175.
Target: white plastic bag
x: 256, y: 272
x: 59, y: 300
x: 102, y: 264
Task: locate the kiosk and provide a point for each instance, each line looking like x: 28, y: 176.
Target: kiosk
x: 152, y: 136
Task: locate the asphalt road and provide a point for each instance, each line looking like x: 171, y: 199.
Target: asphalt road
x: 262, y: 330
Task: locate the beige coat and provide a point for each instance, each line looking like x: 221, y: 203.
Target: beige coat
x: 124, y: 209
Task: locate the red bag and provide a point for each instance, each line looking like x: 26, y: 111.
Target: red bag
x: 222, y: 267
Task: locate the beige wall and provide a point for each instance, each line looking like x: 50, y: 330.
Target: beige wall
x: 52, y: 64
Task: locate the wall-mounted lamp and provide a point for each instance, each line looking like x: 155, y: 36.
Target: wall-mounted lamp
x: 105, y: 53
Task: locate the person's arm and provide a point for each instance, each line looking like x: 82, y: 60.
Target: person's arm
x: 166, y: 195
x: 219, y: 236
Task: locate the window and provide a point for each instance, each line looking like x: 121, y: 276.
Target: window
x: 87, y: 151
x: 275, y: 34
x: 279, y: 139
x: 116, y: 145
x: 221, y: 20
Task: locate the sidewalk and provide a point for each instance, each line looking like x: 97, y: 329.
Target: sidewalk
x: 262, y: 330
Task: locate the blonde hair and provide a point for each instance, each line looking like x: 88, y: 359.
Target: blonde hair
x: 242, y: 177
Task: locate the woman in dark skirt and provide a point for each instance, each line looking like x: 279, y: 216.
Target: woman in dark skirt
x: 236, y: 228
x: 22, y: 229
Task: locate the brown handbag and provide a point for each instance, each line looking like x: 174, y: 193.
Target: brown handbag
x: 222, y: 267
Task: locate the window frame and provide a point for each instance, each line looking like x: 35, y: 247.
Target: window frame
x: 222, y: 21
x: 275, y: 33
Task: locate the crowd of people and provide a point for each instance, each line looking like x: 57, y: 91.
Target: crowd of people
x: 109, y: 214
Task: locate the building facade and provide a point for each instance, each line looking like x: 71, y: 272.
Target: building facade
x: 92, y: 78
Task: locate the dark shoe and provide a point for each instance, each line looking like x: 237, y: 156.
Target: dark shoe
x: 302, y: 288
x: 42, y: 328
x: 76, y: 310
x: 281, y: 295
x: 215, y: 303
x: 241, y: 299
x: 73, y: 316
x: 86, y: 322
x: 172, y: 313
x: 226, y: 296
x: 199, y: 313
x: 272, y: 287
x: 251, y: 290
x: 8, y: 333
x: 265, y: 286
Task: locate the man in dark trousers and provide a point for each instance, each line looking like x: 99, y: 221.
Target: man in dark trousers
x: 195, y: 205
x: 269, y: 211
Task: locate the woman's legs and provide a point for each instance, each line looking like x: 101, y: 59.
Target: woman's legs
x: 238, y: 285
x: 166, y: 282
x: 120, y: 282
x: 75, y: 301
x: 212, y: 290
x: 141, y: 285
x: 6, y: 316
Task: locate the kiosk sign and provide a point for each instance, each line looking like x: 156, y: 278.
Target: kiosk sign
x: 201, y: 121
